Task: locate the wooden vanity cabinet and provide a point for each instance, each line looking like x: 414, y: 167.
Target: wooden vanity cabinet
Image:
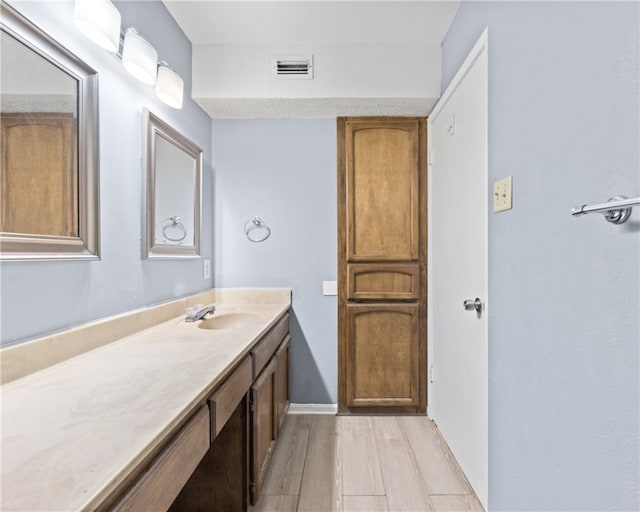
x: 247, y: 410
x: 216, y: 460
x: 219, y: 483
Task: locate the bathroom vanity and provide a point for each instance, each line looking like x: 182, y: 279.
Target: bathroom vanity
x: 180, y: 416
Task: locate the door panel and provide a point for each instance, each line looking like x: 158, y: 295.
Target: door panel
x: 459, y: 209
x: 382, y: 368
x: 382, y: 191
x: 383, y: 281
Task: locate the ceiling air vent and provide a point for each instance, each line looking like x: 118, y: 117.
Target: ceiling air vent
x: 298, y: 67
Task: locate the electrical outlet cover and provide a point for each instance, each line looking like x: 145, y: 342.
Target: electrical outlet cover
x: 502, y: 195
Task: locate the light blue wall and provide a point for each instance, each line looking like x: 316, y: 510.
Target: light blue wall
x: 469, y: 23
x: 40, y: 297
x: 285, y: 172
x: 564, y: 323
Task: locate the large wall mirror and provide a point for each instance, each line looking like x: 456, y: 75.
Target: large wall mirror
x: 49, y: 147
x: 172, y: 192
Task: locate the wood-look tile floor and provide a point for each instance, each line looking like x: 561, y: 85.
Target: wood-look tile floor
x: 363, y: 464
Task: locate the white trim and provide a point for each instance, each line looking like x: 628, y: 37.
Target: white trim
x: 430, y: 404
x: 313, y: 409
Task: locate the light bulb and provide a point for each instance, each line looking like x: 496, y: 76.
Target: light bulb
x: 169, y: 86
x: 139, y: 58
x: 99, y: 20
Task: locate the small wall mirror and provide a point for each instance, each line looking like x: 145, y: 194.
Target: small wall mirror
x: 172, y: 192
x: 49, y: 146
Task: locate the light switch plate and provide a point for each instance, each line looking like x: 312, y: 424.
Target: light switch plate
x: 206, y: 268
x: 502, y: 195
x: 329, y: 287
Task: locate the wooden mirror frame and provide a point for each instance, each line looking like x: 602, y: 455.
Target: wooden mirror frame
x: 86, y: 246
x: 154, y: 127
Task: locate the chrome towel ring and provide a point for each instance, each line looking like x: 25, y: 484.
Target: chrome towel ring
x: 173, y: 229
x: 256, y: 224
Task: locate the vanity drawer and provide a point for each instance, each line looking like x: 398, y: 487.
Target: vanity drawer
x: 265, y: 349
x: 224, y: 401
x: 383, y: 281
x: 161, y: 482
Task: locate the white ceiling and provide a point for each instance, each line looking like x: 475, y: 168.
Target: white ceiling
x: 313, y: 22
x: 370, y: 56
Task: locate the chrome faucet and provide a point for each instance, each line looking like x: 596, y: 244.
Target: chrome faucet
x: 198, y: 312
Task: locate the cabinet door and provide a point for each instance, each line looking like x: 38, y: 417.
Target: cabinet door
x: 282, y: 382
x: 382, y: 185
x: 383, y: 362
x: 263, y: 426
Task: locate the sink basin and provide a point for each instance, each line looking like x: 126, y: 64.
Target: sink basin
x: 228, y: 321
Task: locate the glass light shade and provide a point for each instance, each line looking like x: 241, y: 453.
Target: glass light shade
x: 139, y: 58
x: 99, y: 20
x: 169, y: 86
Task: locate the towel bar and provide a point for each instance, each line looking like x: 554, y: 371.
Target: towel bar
x: 617, y: 210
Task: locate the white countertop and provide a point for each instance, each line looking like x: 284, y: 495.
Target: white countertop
x: 72, y: 433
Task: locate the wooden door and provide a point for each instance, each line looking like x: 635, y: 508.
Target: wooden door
x: 39, y: 174
x: 263, y: 426
x: 382, y: 264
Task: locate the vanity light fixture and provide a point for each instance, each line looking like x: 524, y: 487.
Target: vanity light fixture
x: 169, y: 86
x: 139, y: 58
x: 99, y: 20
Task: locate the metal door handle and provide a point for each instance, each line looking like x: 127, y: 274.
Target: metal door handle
x: 473, y: 304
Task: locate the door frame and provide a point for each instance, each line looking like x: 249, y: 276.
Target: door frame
x: 343, y: 347
x: 478, y: 49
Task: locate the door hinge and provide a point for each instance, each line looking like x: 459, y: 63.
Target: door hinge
x: 252, y: 405
x: 431, y: 374
x: 430, y: 156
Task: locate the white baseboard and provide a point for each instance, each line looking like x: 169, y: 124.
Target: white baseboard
x: 313, y: 409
